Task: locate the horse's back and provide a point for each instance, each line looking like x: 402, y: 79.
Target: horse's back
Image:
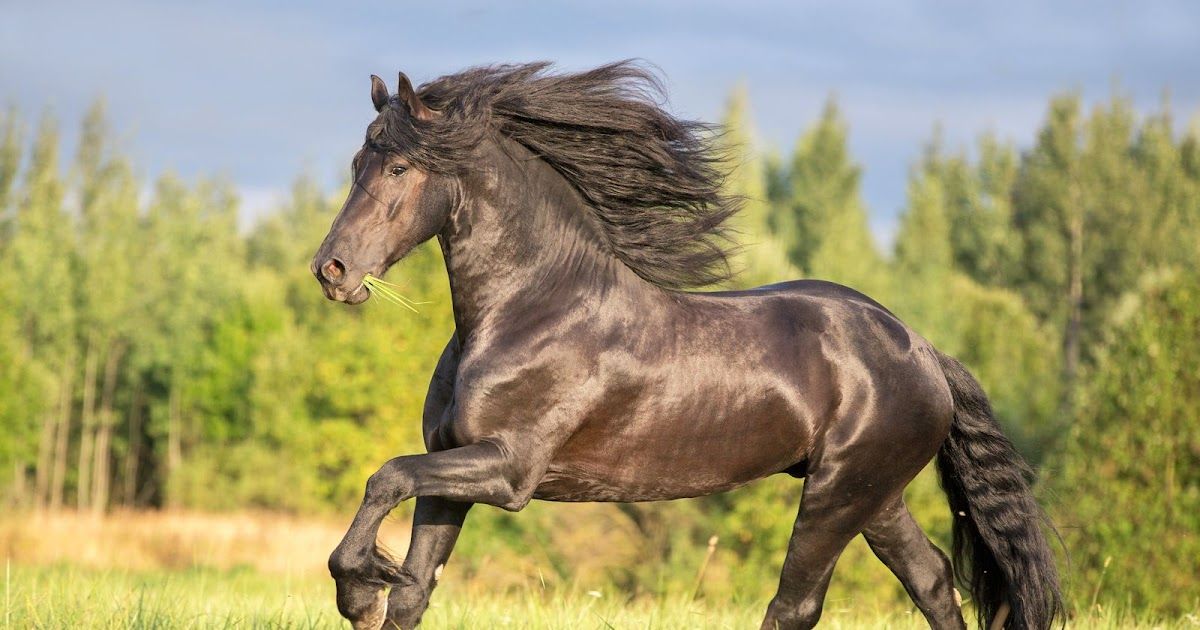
x: 809, y: 288
x: 841, y: 309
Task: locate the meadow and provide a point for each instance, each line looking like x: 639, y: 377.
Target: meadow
x: 260, y: 570
x: 183, y: 448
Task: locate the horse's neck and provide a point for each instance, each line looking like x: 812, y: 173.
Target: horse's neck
x: 522, y: 238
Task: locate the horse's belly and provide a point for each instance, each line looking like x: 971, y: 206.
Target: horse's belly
x: 573, y: 485
x: 694, y: 455
x: 709, y: 418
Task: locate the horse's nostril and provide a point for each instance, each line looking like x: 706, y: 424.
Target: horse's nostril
x: 333, y: 270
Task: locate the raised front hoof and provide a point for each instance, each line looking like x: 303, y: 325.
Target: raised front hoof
x: 363, y: 603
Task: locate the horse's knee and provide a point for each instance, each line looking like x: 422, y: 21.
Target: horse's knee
x: 389, y: 484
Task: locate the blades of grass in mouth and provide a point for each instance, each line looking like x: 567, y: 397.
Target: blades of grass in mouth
x: 392, y: 287
x: 386, y: 291
x: 389, y: 295
x: 390, y: 291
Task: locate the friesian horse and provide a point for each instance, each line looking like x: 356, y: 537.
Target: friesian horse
x: 573, y: 214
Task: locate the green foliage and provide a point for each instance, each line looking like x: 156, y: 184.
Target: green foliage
x: 985, y: 239
x: 1014, y: 356
x: 152, y: 354
x: 22, y: 389
x: 10, y: 158
x: 763, y: 258
x: 824, y: 223
x: 1128, y: 480
x: 989, y: 328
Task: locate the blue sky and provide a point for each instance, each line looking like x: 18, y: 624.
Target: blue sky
x: 260, y: 91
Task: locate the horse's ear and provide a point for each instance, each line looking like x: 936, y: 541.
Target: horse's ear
x: 407, y: 94
x: 379, y: 93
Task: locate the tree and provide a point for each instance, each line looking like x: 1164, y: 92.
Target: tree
x: 989, y: 328
x: 979, y: 205
x: 198, y: 261
x: 924, y: 261
x: 109, y: 250
x: 40, y: 263
x: 762, y: 258
x: 1128, y: 479
x: 10, y: 162
x: 1168, y: 226
x: 824, y: 227
x: 1052, y: 215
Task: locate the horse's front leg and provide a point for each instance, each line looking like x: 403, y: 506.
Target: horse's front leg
x: 480, y: 473
x: 436, y: 524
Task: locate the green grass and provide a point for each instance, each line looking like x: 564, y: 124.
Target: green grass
x: 388, y: 291
x: 72, y: 597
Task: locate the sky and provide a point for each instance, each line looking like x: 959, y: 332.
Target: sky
x: 259, y: 92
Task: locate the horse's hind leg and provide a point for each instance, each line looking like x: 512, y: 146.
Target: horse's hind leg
x: 832, y: 512
x: 923, y: 569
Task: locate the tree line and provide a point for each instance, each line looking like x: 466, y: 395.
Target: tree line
x: 156, y: 355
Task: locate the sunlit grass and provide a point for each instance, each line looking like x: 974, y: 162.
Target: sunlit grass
x: 388, y: 291
x: 263, y: 570
x: 64, y: 596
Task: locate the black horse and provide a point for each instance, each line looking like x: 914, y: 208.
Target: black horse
x: 572, y: 212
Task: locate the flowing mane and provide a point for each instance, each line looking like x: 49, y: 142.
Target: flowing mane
x: 654, y: 182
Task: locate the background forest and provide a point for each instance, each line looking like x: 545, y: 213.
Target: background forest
x: 156, y: 356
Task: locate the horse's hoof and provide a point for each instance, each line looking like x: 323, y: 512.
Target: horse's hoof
x: 373, y: 617
x: 364, y: 604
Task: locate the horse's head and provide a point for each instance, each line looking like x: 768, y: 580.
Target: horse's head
x: 394, y: 203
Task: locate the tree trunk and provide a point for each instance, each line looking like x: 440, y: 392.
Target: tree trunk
x: 87, y: 427
x: 45, y: 460
x: 174, y: 446
x: 58, y: 481
x: 101, y: 469
x: 135, y: 447
x: 20, y: 477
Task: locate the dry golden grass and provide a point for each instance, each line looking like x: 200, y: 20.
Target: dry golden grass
x: 171, y: 540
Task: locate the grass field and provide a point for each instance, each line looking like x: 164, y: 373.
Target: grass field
x: 74, y: 597
x: 164, y: 570
x: 71, y: 597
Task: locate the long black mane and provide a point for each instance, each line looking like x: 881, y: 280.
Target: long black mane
x: 653, y: 181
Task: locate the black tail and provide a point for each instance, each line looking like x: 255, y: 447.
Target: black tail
x: 999, y: 547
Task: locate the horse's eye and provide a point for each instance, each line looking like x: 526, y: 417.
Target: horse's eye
x: 397, y: 170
